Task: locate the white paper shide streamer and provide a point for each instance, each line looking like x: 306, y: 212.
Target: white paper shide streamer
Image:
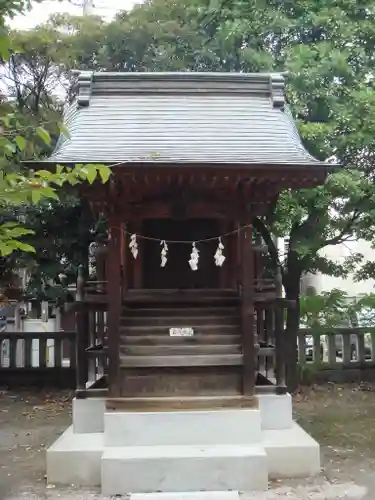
x: 164, y: 253
x: 194, y: 258
x: 219, y: 256
x: 133, y: 245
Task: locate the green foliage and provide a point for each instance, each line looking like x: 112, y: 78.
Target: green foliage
x: 328, y: 50
x: 63, y: 232
x: 336, y: 309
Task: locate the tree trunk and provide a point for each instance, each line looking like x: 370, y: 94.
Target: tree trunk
x: 292, y: 292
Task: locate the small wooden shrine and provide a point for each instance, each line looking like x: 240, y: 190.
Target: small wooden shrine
x: 182, y: 310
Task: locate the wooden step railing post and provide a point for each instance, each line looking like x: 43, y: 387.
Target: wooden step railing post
x: 82, y: 333
x: 279, y: 335
x: 248, y: 316
x: 114, y: 285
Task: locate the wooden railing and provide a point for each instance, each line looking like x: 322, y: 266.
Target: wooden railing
x: 337, y: 354
x: 92, y: 342
x: 49, y: 358
x: 38, y: 358
x: 270, y: 337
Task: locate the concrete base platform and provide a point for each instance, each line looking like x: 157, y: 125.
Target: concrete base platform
x: 82, y: 460
x: 141, y: 452
x: 183, y: 428
x: 291, y: 453
x: 75, y: 459
x: 145, y: 469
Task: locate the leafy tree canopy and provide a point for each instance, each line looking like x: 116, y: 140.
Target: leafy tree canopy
x: 24, y: 137
x: 327, y: 50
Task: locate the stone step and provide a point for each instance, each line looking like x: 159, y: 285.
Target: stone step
x: 204, y: 427
x: 181, y: 360
x: 182, y: 349
x: 143, y: 469
x: 167, y: 340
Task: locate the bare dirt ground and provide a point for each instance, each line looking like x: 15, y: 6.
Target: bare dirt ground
x: 341, y: 418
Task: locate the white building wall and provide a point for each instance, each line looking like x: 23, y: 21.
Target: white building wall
x: 338, y: 253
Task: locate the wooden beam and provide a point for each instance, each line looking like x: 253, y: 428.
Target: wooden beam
x: 248, y: 340
x: 181, y: 403
x: 162, y: 209
x: 115, y: 302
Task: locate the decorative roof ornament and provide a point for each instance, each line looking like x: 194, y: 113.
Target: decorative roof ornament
x: 219, y: 257
x: 194, y: 258
x: 277, y: 83
x: 133, y: 245
x: 84, y: 88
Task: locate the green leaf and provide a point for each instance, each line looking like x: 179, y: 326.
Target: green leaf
x: 21, y: 142
x: 104, y: 173
x: 16, y: 232
x: 36, y: 196
x: 48, y: 192
x: 44, y: 135
x: 25, y: 247
x: 91, y: 173
x: 44, y: 174
x: 4, y: 47
x: 64, y: 131
x: 9, y: 225
x: 5, y: 249
x: 9, y: 147
x: 5, y: 120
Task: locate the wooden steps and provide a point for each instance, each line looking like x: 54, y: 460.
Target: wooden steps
x: 152, y: 298
x: 201, y: 329
x: 192, y: 311
x: 154, y: 363
x: 181, y: 349
x: 186, y: 360
x: 166, y: 340
x: 167, y: 321
x: 181, y: 403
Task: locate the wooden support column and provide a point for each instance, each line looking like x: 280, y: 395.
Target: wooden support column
x: 247, y: 313
x: 82, y: 328
x: 225, y: 271
x: 280, y: 337
x: 124, y: 260
x: 114, y: 302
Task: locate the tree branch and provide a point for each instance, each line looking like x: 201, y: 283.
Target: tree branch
x: 263, y: 230
x: 339, y: 238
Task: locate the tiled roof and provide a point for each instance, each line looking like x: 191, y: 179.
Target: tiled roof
x: 190, y: 118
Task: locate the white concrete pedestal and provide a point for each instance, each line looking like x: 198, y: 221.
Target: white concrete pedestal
x: 229, y: 449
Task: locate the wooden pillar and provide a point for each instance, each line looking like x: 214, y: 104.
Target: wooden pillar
x: 279, y: 337
x: 233, y: 259
x: 124, y: 260
x: 225, y: 271
x: 247, y: 313
x: 114, y: 302
x: 82, y: 335
x: 238, y: 258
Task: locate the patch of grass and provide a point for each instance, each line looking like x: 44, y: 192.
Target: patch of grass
x: 339, y: 417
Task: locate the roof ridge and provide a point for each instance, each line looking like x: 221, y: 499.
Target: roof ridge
x: 119, y: 83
